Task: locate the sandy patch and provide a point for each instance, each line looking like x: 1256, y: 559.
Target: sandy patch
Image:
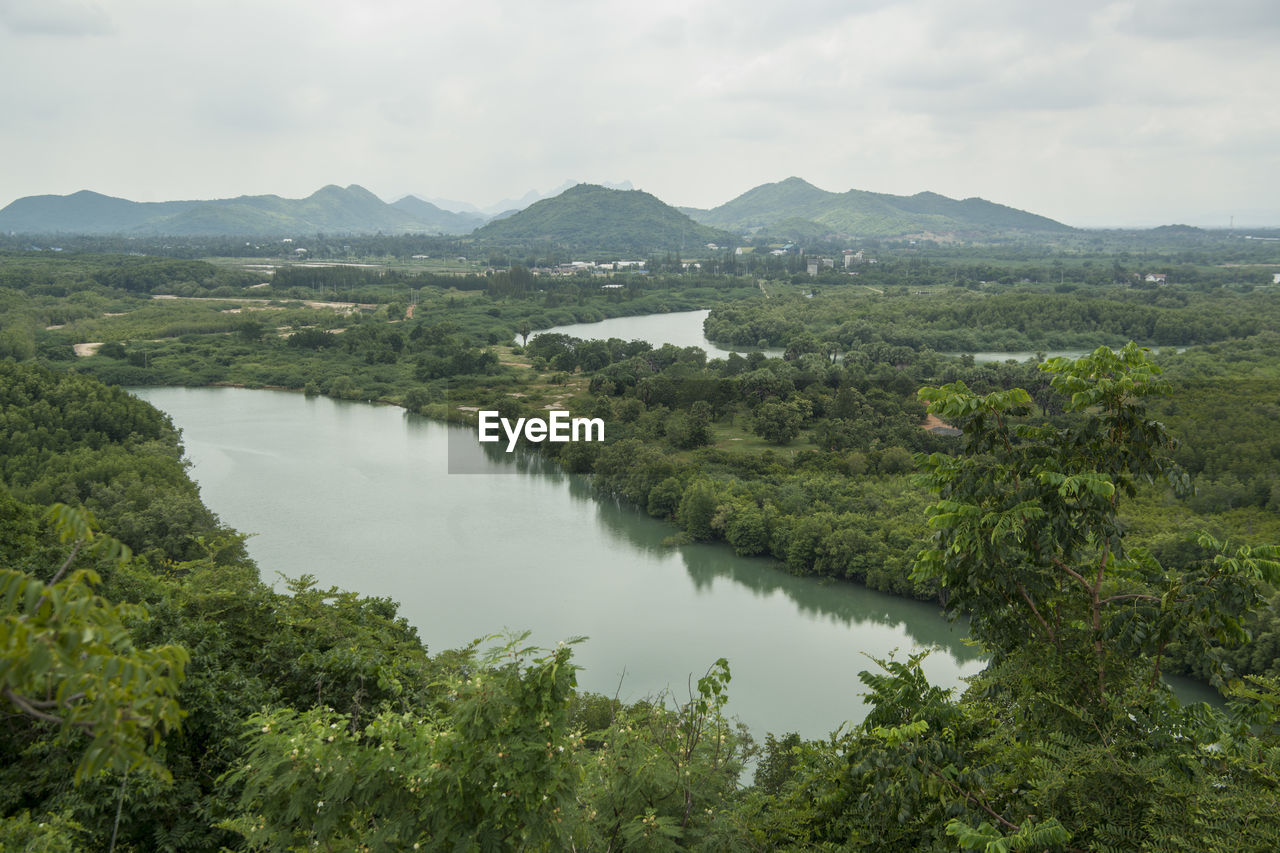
x: 468, y: 408
x: 84, y: 350
x: 932, y: 422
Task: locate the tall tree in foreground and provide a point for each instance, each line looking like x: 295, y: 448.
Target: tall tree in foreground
x: 1030, y: 542
x: 1069, y: 739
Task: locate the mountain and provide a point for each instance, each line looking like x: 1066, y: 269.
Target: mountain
x: 794, y: 205
x: 593, y: 217
x: 84, y: 212
x: 446, y: 221
x: 508, y: 206
x: 332, y: 209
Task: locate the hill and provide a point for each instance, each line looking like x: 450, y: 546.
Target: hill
x: 84, y: 212
x: 781, y: 207
x: 332, y: 209
x: 446, y: 221
x: 590, y: 217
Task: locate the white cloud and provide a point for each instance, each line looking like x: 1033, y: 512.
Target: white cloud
x: 1076, y: 111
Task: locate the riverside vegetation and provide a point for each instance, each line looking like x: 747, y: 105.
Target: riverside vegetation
x: 308, y: 719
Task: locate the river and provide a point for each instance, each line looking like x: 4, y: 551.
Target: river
x: 360, y: 497
x: 684, y: 329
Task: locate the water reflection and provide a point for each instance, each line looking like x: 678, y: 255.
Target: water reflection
x: 360, y: 497
x: 845, y: 604
x: 680, y: 328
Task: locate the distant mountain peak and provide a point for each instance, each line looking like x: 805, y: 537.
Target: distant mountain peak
x: 597, y: 218
x: 858, y: 213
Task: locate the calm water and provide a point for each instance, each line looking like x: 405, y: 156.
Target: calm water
x: 360, y: 497
x: 684, y: 329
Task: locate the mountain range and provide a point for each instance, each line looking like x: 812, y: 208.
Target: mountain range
x: 332, y: 209
x: 582, y: 216
x: 797, y: 209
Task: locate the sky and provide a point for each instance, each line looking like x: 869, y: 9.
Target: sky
x: 1093, y: 112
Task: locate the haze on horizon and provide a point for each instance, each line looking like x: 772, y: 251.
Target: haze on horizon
x: 1097, y: 113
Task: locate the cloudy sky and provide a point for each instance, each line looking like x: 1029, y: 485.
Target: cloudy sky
x: 1093, y: 112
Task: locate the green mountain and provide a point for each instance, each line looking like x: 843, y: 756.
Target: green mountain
x: 445, y: 221
x: 795, y: 205
x: 84, y: 212
x: 332, y: 209
x: 591, y: 217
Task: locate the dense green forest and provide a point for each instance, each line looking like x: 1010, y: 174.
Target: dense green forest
x: 1048, y: 504
x: 967, y: 321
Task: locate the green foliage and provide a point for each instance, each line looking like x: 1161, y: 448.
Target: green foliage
x: 779, y: 422
x: 67, y: 658
x: 495, y: 767
x: 1017, y: 320
x: 698, y: 508
x: 49, y: 834
x: 989, y: 839
x: 661, y: 778
x: 67, y: 438
x: 1028, y: 533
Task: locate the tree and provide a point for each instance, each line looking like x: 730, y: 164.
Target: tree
x: 1029, y: 540
x: 67, y: 659
x: 697, y: 509
x: 493, y: 766
x: 661, y: 776
x: 779, y: 422
x: 1068, y: 740
x: 691, y: 429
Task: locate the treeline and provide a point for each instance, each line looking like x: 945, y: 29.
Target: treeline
x: 709, y: 447
x: 60, y: 275
x: 69, y: 439
x: 949, y: 321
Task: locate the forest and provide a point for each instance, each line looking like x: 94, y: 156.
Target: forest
x: 1099, y: 521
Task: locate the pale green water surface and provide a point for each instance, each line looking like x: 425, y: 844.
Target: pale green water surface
x: 359, y: 496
